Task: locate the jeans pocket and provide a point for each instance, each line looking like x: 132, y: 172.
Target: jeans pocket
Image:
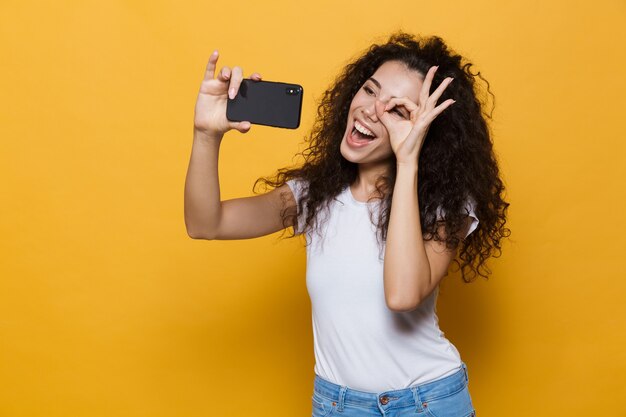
x: 458, y: 404
x: 318, y: 407
x: 322, y: 406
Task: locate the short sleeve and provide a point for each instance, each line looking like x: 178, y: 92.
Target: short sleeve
x: 470, y: 205
x: 296, y: 186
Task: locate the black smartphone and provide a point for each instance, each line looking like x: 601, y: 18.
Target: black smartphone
x: 266, y: 103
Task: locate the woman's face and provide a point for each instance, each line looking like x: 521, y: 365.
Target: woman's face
x: 391, y: 79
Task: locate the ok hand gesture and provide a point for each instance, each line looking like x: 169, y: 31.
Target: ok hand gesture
x: 407, y: 135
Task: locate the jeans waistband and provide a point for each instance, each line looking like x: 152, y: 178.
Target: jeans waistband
x: 415, y: 394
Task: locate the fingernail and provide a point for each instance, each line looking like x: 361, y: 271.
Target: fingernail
x: 215, y: 52
x: 231, y: 93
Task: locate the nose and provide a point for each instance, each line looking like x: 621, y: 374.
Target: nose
x: 370, y: 111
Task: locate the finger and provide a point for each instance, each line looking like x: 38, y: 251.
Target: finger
x: 235, y: 82
x: 404, y: 101
x: 210, y: 67
x: 224, y: 74
x: 255, y: 76
x: 439, y: 91
x: 402, y: 108
x: 440, y: 108
x: 401, y: 101
x: 242, y: 127
x: 425, y: 92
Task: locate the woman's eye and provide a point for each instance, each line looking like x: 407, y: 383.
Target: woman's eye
x: 368, y: 90
x: 398, y: 112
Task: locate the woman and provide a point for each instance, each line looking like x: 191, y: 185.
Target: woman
x: 399, y: 170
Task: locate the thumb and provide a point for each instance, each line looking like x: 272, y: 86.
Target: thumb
x: 242, y: 127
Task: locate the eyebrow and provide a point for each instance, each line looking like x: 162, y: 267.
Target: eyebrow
x: 375, y: 81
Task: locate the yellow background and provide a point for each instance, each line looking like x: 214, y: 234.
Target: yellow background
x: 108, y: 308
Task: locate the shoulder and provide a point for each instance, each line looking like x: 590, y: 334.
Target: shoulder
x: 297, y: 186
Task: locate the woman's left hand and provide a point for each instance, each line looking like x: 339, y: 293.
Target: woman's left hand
x: 407, y: 135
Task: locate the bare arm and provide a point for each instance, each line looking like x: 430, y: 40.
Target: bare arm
x: 413, y: 267
x: 206, y: 216
x: 407, y: 272
x: 202, y: 189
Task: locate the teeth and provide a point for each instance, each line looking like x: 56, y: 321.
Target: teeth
x: 362, y: 129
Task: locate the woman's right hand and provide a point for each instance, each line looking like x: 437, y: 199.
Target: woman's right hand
x: 210, y: 113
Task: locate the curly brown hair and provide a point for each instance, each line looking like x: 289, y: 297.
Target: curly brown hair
x: 456, y: 162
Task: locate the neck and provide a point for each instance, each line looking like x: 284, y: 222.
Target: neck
x: 365, y: 183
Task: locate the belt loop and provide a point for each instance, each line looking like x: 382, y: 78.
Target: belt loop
x: 342, y: 394
x: 466, y: 373
x: 416, y: 398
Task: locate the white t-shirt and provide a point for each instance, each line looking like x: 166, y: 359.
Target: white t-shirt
x: 358, y: 341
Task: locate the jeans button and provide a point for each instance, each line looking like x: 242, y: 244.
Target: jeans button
x: 384, y: 400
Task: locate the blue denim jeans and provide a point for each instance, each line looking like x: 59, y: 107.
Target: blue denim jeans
x: 445, y: 397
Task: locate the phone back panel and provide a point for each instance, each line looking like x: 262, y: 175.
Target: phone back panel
x: 267, y: 103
